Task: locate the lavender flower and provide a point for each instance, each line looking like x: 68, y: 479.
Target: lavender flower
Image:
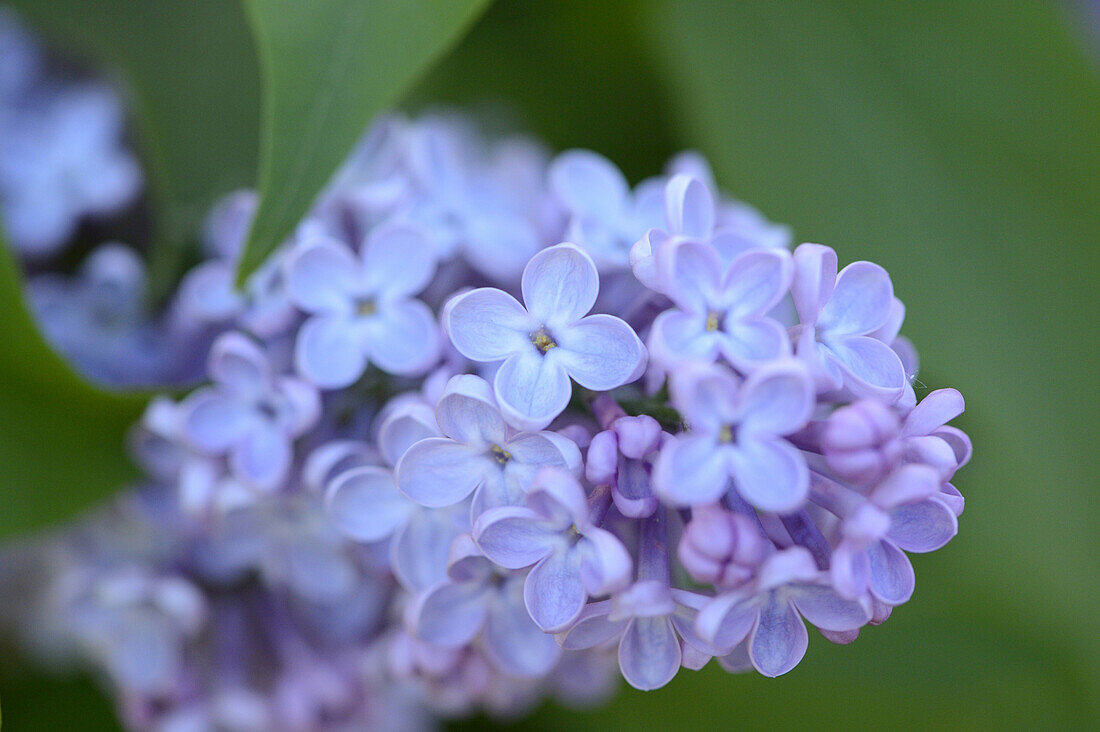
x: 250, y: 413
x: 736, y: 432
x: 479, y: 452
x: 572, y: 557
x: 838, y: 315
x: 362, y: 308
x: 550, y: 341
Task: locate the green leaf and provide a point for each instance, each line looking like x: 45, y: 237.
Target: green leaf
x: 956, y: 144
x: 191, y: 70
x: 328, y: 67
x: 63, y: 445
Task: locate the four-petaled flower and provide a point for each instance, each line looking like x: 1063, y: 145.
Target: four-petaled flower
x: 479, y: 452
x: 362, y: 306
x: 249, y: 413
x: 550, y: 340
x: 767, y: 614
x: 722, y: 310
x: 477, y: 598
x: 736, y: 431
x: 839, y: 317
x: 572, y: 558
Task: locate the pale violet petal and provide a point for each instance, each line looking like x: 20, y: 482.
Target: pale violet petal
x: 262, y: 459
x: 439, y: 472
x: 694, y: 273
x: 329, y: 351
x: 779, y: 640
x: 922, y: 527
x: 750, y: 342
x: 514, y: 536
x: 689, y: 207
x: 588, y: 184
x: 404, y: 338
x: 756, y: 281
x: 649, y: 653
x: 560, y: 285
x: 932, y: 412
x: 450, y: 614
x: 365, y: 504
x: 892, y: 578
x: 514, y: 642
x: 691, y: 470
x: 213, y: 423
x: 488, y: 325
x: 776, y: 400
x: 861, y: 301
x: 605, y: 562
x: 321, y: 276
x: 239, y: 366
x: 771, y: 474
x: 870, y: 367
x: 814, y: 276
x: 398, y: 260
x: 592, y: 628
x: 532, y: 389
x: 554, y: 592
x: 821, y: 607
x: 467, y: 412
x: 600, y: 352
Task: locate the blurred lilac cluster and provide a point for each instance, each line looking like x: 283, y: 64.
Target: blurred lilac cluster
x: 444, y: 462
x: 62, y: 156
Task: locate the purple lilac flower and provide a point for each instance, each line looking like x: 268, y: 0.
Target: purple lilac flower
x: 605, y: 216
x: 479, y: 452
x: 736, y: 432
x: 767, y: 614
x: 722, y: 310
x: 547, y: 342
x: 250, y: 413
x: 572, y: 558
x: 477, y: 599
x: 362, y: 307
x: 838, y: 313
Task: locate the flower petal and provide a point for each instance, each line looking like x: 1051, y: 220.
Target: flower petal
x: 605, y: 565
x: 779, y: 640
x: 451, y: 613
x: 771, y: 474
x: 726, y: 620
x: 691, y: 470
x: 689, y: 206
x: 554, y: 592
x: 321, y: 276
x: 588, y: 184
x: 922, y: 527
x: 756, y: 281
x: 649, y: 653
x: 861, y: 301
x: 439, y: 472
x: 933, y: 412
x: 776, y: 400
x: 263, y: 458
x: 693, y: 272
x: 239, y: 366
x: 213, y: 423
x: 892, y: 578
x: 591, y: 629
x: 512, y: 639
x: 420, y: 548
x: 467, y: 412
x: 365, y: 504
x: 398, y: 260
x: 560, y: 285
x: 514, y: 536
x: 403, y: 338
x: 750, y: 342
x: 600, y: 352
x: 531, y: 390
x: 329, y: 351
x: 487, y: 324
x: 870, y: 367
x: 814, y: 277
x: 821, y: 606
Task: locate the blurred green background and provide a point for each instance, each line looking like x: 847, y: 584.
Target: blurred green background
x: 955, y: 143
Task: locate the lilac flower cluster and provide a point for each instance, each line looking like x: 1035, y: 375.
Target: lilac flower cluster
x: 62, y: 156
x: 493, y: 425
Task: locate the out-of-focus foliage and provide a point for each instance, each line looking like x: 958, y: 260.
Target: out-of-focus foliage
x: 956, y: 143
x: 194, y: 83
x: 63, y: 446
x: 328, y: 67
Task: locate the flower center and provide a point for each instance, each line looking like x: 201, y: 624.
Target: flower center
x: 712, y: 321
x: 499, y: 454
x: 725, y: 435
x: 366, y: 306
x: 543, y: 340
